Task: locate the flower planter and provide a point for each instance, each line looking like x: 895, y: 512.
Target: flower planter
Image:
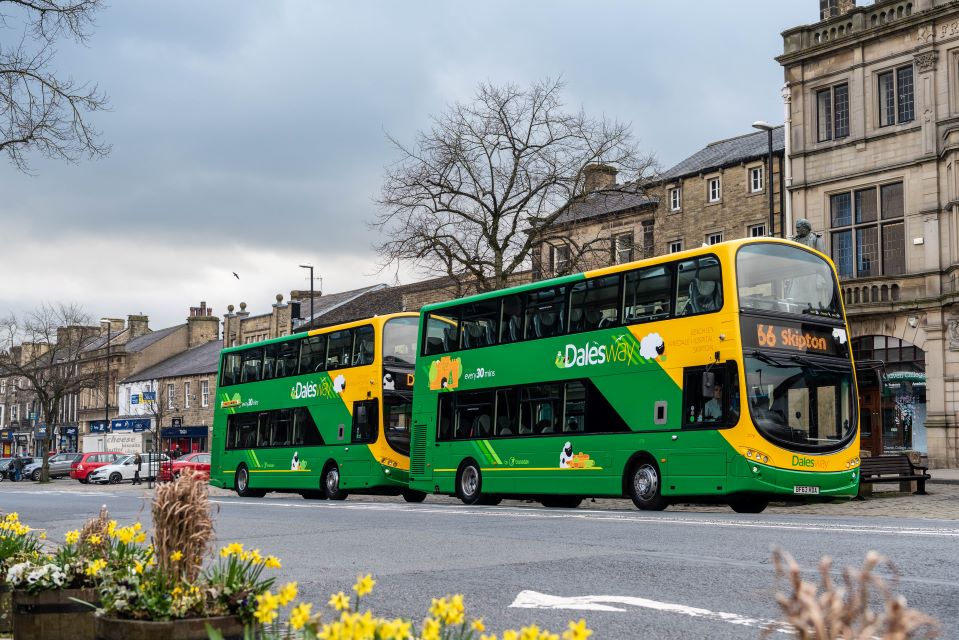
x: 231, y: 627
x: 54, y: 615
x: 6, y: 609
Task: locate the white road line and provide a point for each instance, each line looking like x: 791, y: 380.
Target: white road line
x: 595, y: 515
x: 536, y: 600
x: 65, y: 493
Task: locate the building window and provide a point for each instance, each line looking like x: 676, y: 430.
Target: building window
x: 868, y: 236
x: 757, y: 230
x: 13, y: 412
x: 204, y: 393
x: 756, y: 179
x: 559, y: 258
x: 649, y: 250
x: 675, y: 199
x: 675, y: 246
x: 3, y: 385
x: 623, y: 248
x: 170, y: 396
x: 186, y: 395
x: 896, y: 96
x: 714, y: 238
x: 714, y: 190
x: 832, y: 112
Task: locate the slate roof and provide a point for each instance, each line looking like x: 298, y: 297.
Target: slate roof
x: 604, y: 202
x: 142, y: 342
x: 722, y: 153
x: 327, y: 303
x: 198, y: 360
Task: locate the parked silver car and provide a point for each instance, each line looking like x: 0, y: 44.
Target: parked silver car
x: 124, y: 469
x: 59, y: 466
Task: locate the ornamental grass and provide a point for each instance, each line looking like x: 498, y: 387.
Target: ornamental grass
x: 844, y: 611
x: 182, y: 527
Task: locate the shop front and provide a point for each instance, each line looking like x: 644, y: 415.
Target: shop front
x: 67, y: 438
x: 189, y: 439
x: 6, y: 443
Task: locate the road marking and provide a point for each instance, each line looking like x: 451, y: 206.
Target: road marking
x: 64, y: 492
x: 608, y: 516
x: 536, y: 600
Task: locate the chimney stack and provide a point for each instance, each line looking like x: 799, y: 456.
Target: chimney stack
x: 832, y: 8
x: 138, y: 325
x: 115, y: 325
x: 202, y: 326
x: 598, y: 177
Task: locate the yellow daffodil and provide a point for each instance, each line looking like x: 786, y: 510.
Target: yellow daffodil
x: 267, y: 604
x: 138, y: 567
x: 364, y: 584
x: 43, y: 535
x: 272, y: 562
x: 287, y: 593
x: 111, y: 527
x: 397, y: 629
x: 529, y: 633
x: 339, y: 601
x: 137, y: 526
x: 477, y: 625
x: 95, y: 567
x: 140, y: 538
x: 94, y: 539
x: 431, y: 629
x: 176, y: 556
x: 300, y: 615
x: 491, y: 636
x: 509, y: 634
x: 234, y: 548
x: 577, y: 631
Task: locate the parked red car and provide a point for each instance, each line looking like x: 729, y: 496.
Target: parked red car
x: 198, y: 462
x: 85, y: 463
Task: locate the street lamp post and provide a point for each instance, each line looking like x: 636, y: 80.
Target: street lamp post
x: 310, y: 267
x: 768, y: 128
x: 106, y: 395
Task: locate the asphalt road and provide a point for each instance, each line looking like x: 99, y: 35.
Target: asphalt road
x: 673, y: 574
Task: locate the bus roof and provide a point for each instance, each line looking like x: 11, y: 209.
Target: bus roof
x: 728, y: 248
x: 329, y: 329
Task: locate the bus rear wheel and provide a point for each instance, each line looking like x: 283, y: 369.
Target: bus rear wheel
x: 241, y: 484
x: 414, y: 496
x: 469, y: 483
x: 331, y: 483
x: 645, y: 487
x: 562, y: 502
x: 748, y: 504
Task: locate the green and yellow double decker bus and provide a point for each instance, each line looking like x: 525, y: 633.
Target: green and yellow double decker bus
x: 719, y: 374
x: 323, y: 413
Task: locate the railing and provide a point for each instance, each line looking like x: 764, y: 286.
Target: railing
x: 855, y: 21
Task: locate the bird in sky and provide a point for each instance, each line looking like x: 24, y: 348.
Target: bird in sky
x: 236, y: 276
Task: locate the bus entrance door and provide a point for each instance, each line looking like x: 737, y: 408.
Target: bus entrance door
x: 697, y: 462
x: 357, y: 457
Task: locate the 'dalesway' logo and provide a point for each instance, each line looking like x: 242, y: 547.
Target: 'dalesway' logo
x: 445, y: 373
x: 305, y: 390
x: 622, y: 348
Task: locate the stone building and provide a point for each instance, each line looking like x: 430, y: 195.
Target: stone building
x: 718, y: 193
x: 176, y: 397
x: 126, y: 348
x: 873, y: 127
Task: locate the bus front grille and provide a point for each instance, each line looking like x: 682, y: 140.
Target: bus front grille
x: 418, y: 451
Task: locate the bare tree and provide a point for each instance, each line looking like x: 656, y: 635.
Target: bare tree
x: 40, y: 110
x: 46, y: 348
x: 163, y: 403
x: 470, y: 197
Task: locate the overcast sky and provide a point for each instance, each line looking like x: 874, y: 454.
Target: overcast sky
x: 250, y: 136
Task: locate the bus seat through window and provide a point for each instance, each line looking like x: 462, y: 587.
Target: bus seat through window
x: 703, y: 295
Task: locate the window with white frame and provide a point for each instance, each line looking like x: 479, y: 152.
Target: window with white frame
x: 675, y: 199
x: 675, y: 246
x: 714, y: 238
x: 559, y: 258
x: 896, y: 96
x: 757, y: 230
x: 204, y: 393
x: 186, y: 395
x: 623, y: 248
x: 832, y: 112
x: 756, y: 179
x: 170, y: 396
x: 714, y: 191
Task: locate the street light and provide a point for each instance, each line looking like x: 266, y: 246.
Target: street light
x: 310, y: 267
x: 768, y: 128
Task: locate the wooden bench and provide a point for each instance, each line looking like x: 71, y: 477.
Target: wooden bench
x: 893, y: 469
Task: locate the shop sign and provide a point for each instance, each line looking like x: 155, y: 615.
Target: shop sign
x: 135, y: 425
x: 184, y: 432
x: 98, y: 426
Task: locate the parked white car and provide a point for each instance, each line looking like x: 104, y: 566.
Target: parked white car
x: 125, y: 468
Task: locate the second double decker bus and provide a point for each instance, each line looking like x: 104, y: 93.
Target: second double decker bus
x: 323, y: 413
x: 722, y: 374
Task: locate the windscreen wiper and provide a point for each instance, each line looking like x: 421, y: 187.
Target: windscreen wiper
x: 821, y: 366
x: 762, y: 357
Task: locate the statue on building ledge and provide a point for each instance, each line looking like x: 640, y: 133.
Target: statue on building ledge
x: 804, y: 235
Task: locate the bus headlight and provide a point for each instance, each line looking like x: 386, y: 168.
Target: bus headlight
x: 853, y: 463
x: 758, y: 456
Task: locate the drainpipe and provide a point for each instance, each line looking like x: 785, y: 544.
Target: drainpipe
x: 787, y: 162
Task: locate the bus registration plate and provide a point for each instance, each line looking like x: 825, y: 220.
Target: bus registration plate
x: 805, y: 490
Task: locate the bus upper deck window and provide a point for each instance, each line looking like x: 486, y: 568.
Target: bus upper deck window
x: 699, y: 286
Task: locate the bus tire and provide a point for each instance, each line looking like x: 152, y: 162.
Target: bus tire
x: 313, y: 494
x: 241, y: 484
x: 331, y: 483
x: 644, y: 484
x: 562, y: 502
x: 748, y: 504
x: 414, y: 496
x: 469, y: 483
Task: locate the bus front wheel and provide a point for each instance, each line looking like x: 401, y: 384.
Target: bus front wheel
x: 748, y: 504
x: 645, y: 486
x: 469, y: 482
x: 414, y: 496
x: 331, y: 483
x: 241, y: 484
